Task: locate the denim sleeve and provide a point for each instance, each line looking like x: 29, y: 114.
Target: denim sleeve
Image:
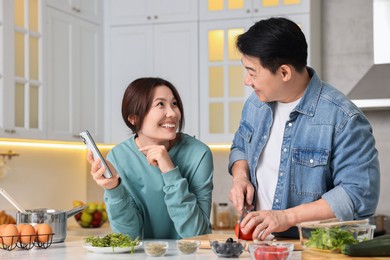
x: 241, y: 143
x: 189, y: 201
x: 356, y: 173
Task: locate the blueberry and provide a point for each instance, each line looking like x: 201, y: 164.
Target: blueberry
x: 229, y: 240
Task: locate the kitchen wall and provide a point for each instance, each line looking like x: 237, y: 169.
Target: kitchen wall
x: 48, y: 177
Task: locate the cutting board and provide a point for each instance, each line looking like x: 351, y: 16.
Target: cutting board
x: 205, y: 240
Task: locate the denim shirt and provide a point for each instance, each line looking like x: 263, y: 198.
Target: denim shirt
x: 328, y: 151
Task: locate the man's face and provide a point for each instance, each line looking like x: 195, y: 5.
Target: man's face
x: 267, y: 86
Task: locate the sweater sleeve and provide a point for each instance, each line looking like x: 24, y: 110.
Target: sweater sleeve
x: 189, y: 200
x: 123, y: 213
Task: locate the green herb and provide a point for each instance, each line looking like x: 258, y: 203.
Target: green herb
x: 330, y: 239
x: 113, y: 240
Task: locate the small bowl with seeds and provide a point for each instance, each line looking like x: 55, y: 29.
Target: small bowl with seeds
x: 155, y: 248
x: 188, y: 246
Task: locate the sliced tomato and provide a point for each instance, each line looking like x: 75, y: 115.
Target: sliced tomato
x: 242, y: 235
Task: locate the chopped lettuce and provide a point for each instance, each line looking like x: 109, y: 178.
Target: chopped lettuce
x: 331, y: 239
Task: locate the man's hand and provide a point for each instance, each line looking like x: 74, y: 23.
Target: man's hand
x: 242, y: 190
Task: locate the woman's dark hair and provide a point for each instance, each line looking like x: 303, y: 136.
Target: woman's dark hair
x: 275, y: 41
x: 138, y: 99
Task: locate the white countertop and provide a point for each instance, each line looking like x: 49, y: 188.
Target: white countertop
x: 72, y: 249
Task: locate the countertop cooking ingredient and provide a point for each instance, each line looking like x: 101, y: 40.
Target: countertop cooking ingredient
x: 9, y: 235
x: 113, y: 240
x: 331, y: 239
x: 156, y: 248
x: 44, y: 232
x: 27, y: 234
x: 271, y: 252
x: 242, y: 235
x: 188, y: 247
x: 379, y: 246
x: 229, y: 248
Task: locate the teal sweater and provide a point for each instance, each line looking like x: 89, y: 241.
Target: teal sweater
x: 149, y: 204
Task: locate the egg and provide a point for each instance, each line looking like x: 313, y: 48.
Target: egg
x: 27, y: 234
x: 10, y: 235
x: 44, y: 232
x: 2, y: 226
x: 20, y: 227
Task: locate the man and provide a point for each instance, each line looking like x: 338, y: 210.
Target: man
x: 303, y: 151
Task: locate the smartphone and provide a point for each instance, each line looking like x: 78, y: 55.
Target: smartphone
x: 90, y: 143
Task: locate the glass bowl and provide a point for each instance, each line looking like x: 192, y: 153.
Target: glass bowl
x: 330, y: 235
x: 228, y: 248
x: 156, y: 248
x: 271, y: 250
x: 188, y: 246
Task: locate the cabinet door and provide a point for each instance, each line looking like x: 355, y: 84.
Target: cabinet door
x: 168, y: 51
x: 222, y: 89
x: 130, y: 12
x: 2, y: 94
x: 74, y: 77
x: 228, y: 9
x: 24, y: 108
x: 176, y: 59
x: 130, y: 57
x: 87, y: 9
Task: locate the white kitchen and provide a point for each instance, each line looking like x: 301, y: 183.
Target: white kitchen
x: 64, y: 66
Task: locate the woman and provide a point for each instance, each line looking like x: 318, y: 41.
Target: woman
x: 162, y: 180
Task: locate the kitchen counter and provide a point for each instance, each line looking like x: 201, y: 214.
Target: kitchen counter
x: 72, y: 249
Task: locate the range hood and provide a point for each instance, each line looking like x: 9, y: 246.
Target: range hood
x: 373, y: 90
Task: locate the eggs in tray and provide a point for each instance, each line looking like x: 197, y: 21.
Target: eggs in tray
x: 25, y: 236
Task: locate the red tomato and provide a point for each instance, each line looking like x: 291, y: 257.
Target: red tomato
x: 283, y: 253
x: 271, y: 252
x: 265, y: 253
x: 242, y: 235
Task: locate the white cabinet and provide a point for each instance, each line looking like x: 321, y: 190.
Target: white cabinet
x: 222, y: 90
x: 237, y: 9
x: 2, y: 94
x: 22, y: 86
x: 86, y: 9
x: 75, y: 94
x: 169, y: 51
x: 126, y: 12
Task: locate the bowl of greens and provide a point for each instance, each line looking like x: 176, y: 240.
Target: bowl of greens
x: 332, y: 235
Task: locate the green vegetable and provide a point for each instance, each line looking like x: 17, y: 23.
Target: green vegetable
x: 113, y: 240
x: 331, y: 239
x: 379, y: 246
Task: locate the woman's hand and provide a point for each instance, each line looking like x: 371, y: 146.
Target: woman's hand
x: 97, y: 172
x: 157, y: 155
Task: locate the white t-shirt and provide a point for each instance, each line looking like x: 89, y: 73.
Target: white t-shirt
x: 267, y: 170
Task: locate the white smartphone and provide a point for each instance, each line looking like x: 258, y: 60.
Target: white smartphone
x: 90, y: 143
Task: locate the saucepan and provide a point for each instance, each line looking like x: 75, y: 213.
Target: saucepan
x: 57, y: 219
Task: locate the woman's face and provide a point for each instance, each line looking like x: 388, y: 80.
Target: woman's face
x: 162, y: 120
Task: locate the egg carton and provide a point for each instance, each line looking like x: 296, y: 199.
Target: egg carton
x: 28, y: 246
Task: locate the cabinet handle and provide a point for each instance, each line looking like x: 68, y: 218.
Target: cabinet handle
x: 156, y: 17
x: 248, y: 11
x: 256, y: 10
x: 148, y: 17
x: 10, y: 131
x: 76, y: 136
x: 77, y: 10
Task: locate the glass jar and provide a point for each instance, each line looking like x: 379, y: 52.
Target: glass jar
x: 222, y: 216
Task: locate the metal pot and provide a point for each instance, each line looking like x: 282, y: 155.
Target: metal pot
x: 56, y: 218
